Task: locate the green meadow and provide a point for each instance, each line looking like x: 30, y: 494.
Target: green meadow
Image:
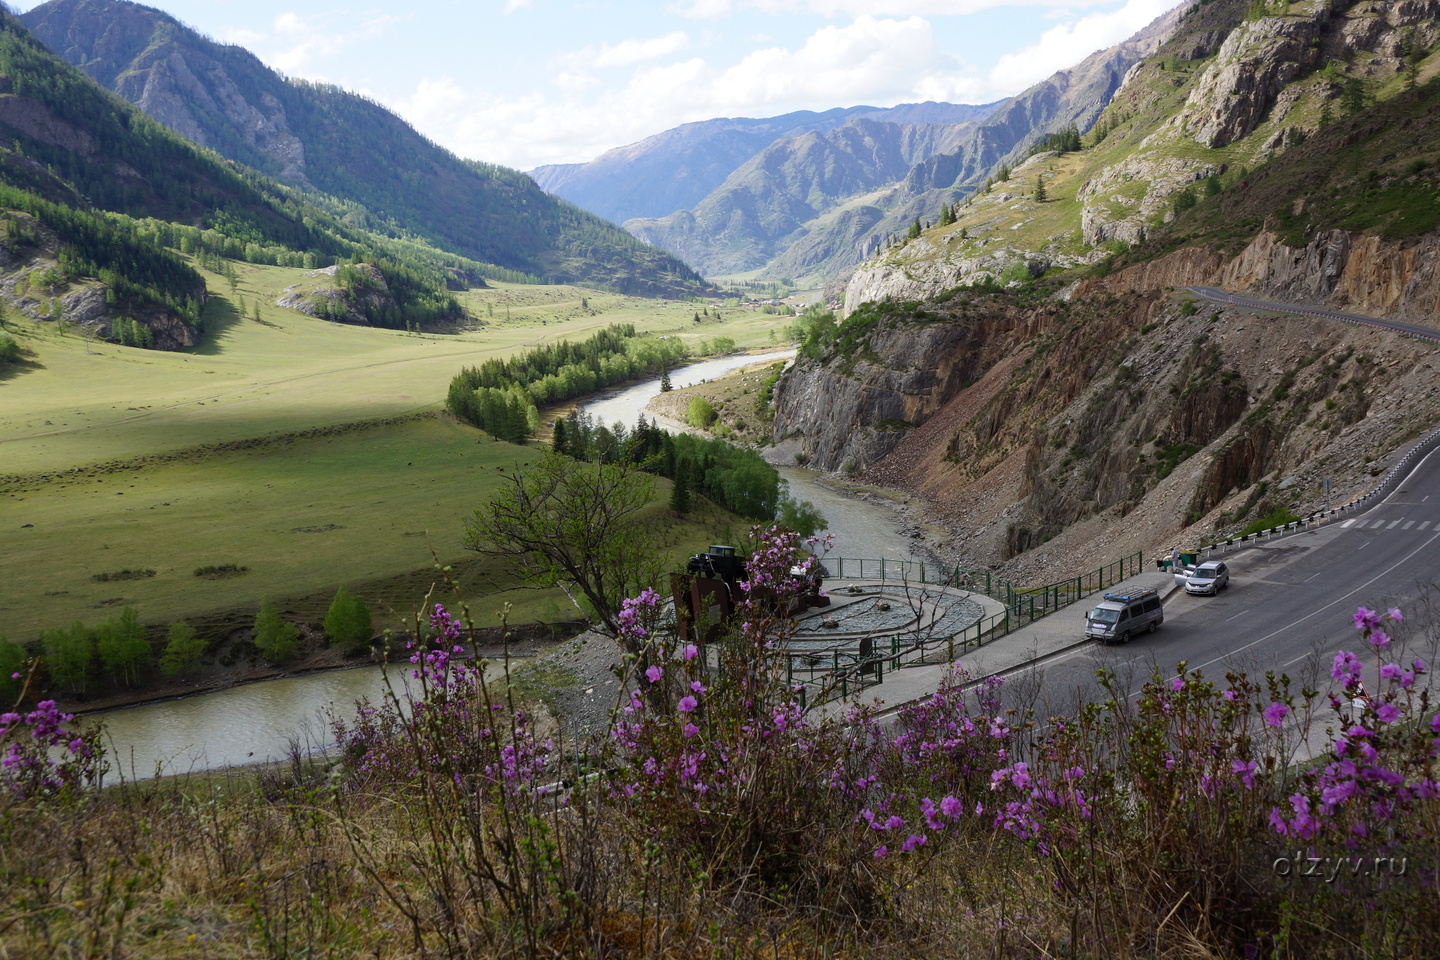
x: 260, y: 449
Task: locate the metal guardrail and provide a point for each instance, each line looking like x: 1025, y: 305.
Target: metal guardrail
x: 1382, y: 489
x: 840, y: 670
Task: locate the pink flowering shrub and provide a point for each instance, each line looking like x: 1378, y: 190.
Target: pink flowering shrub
x: 45, y: 756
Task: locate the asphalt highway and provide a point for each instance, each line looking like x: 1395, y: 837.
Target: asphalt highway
x: 1216, y: 295
x: 1288, y: 607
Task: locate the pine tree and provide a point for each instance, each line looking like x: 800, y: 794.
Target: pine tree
x: 1040, y: 196
x: 665, y: 386
x: 680, y: 492
x: 274, y: 638
x: 557, y: 438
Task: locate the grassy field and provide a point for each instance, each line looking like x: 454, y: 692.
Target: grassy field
x: 303, y: 513
x: 74, y: 402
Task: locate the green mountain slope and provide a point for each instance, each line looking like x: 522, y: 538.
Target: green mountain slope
x: 324, y: 138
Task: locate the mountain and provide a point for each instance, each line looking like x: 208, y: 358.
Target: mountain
x: 1037, y: 378
x: 767, y: 202
x: 319, y: 137
x: 676, y: 169
x: 811, y: 195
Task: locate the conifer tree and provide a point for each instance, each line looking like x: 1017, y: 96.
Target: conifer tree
x: 665, y: 386
x: 680, y: 492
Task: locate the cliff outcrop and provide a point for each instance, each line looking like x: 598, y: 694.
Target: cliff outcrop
x: 1043, y: 435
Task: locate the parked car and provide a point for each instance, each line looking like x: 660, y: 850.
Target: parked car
x: 1120, y: 616
x: 1210, y: 577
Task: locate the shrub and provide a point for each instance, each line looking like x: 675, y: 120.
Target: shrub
x: 126, y: 574
x: 700, y: 413
x: 1275, y: 518
x: 9, y: 349
x: 220, y: 572
x: 274, y: 637
x: 348, y: 621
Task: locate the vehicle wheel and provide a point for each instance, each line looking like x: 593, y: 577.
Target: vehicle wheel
x: 1124, y: 638
x: 1225, y: 585
x: 1151, y: 627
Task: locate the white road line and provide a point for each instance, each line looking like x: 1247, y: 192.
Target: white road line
x: 1377, y: 524
x: 1319, y: 610
x: 1237, y: 616
x: 1408, y: 524
x: 1393, y: 524
x: 1424, y: 524
x: 1347, y: 523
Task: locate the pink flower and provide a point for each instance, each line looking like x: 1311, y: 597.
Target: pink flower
x: 690, y: 730
x: 1387, y: 713
x: 1230, y: 696
x: 951, y: 806
x: 880, y: 851
x: 1395, y: 615
x: 1390, y: 671
x: 1380, y: 638
x: 687, y: 704
x: 655, y: 673
x: 697, y: 686
x: 1275, y: 714
x: 1177, y: 683
x: 691, y: 651
x: 911, y: 842
x: 1365, y: 619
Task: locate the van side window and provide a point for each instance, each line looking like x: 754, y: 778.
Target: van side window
x: 1152, y: 605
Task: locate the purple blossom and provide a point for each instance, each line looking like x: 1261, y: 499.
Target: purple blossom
x: 690, y: 730
x: 951, y: 807
x: 1346, y: 668
x: 1387, y: 713
x: 1379, y: 638
x: 1365, y: 619
x: 654, y: 672
x: 1394, y: 614
x: 911, y: 842
x: 1177, y: 683
x: 691, y: 651
x: 1275, y: 714
x: 687, y: 704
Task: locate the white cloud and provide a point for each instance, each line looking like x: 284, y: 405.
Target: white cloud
x: 297, y: 42
x: 1069, y: 43
x: 872, y: 60
x: 512, y: 5
x: 627, y: 52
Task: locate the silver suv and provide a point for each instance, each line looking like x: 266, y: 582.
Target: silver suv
x: 1121, y: 616
x: 1210, y: 577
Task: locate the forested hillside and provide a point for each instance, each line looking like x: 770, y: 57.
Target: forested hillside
x: 323, y: 138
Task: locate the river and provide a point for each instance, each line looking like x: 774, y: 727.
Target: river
x: 257, y: 722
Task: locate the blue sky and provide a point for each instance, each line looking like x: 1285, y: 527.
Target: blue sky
x: 526, y: 82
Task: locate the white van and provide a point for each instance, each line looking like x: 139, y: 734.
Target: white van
x: 1121, y: 616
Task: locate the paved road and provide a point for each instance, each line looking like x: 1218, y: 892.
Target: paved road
x: 1216, y: 295
x: 1289, y: 604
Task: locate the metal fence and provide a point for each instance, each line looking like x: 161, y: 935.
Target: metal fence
x: 824, y: 675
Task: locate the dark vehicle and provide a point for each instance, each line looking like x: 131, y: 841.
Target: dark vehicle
x: 719, y: 562
x: 1120, y: 616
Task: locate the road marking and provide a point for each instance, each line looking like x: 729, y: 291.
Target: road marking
x: 1408, y: 525
x: 1377, y: 524
x: 1393, y: 524
x: 1312, y: 577
x: 1424, y: 524
x: 1347, y: 523
x: 1237, y: 616
x: 1338, y: 600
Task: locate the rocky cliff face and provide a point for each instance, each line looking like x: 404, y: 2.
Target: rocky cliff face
x: 1036, y: 437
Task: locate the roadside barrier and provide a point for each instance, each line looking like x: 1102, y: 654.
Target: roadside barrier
x: 1376, y: 493
x: 822, y: 675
